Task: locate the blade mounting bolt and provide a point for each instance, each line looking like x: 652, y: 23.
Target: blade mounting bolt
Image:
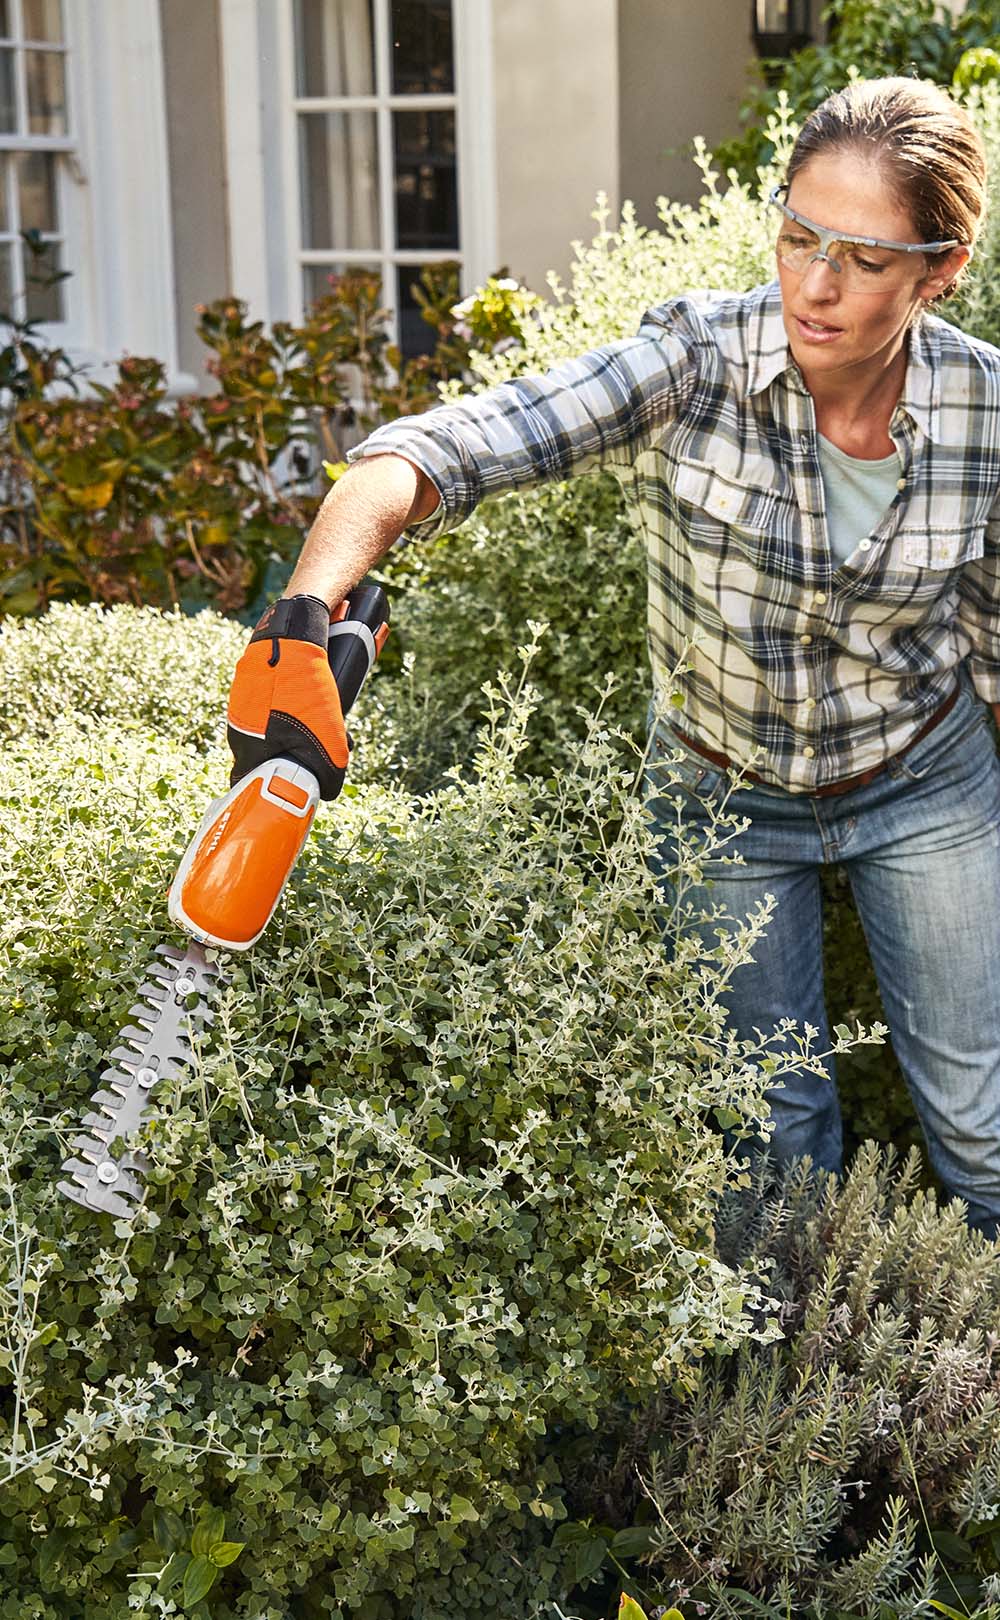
x: 146, y: 1077
x: 184, y: 988
x: 107, y: 1172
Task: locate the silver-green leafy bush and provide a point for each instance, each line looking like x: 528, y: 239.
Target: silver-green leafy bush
x: 442, y: 1178
x: 821, y: 1473
x: 163, y: 671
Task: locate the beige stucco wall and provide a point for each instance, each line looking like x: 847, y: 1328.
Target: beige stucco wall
x: 683, y: 72
x: 193, y: 83
x: 556, y: 96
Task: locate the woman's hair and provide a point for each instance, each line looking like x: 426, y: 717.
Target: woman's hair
x: 926, y: 145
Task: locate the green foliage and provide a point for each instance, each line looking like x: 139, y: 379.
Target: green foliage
x: 163, y: 672
x: 122, y: 495
x: 922, y: 39
x: 567, y: 554
x: 442, y: 1179
x: 851, y: 1471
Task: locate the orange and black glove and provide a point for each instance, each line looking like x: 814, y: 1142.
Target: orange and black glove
x: 284, y: 700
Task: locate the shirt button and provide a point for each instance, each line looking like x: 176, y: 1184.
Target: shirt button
x: 901, y: 483
x: 819, y: 596
x: 805, y: 640
x: 810, y: 753
x: 864, y: 545
x: 810, y: 703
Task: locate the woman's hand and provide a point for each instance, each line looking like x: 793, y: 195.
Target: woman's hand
x: 996, y: 714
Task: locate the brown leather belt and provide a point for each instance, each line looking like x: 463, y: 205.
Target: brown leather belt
x: 848, y: 783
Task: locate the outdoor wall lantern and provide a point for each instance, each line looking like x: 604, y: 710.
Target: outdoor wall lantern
x: 781, y: 26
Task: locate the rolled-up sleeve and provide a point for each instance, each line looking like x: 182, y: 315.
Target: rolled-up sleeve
x: 979, y: 612
x: 598, y: 410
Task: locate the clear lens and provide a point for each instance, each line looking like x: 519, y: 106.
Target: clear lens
x: 862, y: 269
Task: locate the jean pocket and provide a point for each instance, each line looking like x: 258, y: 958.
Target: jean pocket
x: 672, y: 769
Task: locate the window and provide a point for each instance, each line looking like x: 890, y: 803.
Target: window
x: 376, y: 114
x: 781, y: 27
x: 35, y: 141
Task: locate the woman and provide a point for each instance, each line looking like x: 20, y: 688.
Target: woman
x: 817, y: 466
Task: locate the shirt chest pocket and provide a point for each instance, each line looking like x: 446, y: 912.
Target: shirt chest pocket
x: 940, y: 546
x: 739, y: 507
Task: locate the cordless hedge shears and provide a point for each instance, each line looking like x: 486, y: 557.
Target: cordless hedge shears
x: 230, y: 878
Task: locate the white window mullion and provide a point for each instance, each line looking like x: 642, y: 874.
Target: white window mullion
x: 20, y: 70
x: 475, y: 140
x: 386, y: 163
x: 437, y: 103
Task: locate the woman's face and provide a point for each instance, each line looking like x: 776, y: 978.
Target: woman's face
x: 832, y: 330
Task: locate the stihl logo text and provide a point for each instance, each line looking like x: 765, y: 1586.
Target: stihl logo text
x: 220, y: 829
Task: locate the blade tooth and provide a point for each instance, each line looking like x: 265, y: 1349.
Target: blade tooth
x: 137, y: 1037
x: 172, y: 953
x: 90, y: 1148
x: 153, y: 992
x: 148, y: 1016
x: 101, y: 1126
x: 162, y: 974
x: 108, y: 1099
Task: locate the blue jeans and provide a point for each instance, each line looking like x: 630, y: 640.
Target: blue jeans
x: 921, y: 846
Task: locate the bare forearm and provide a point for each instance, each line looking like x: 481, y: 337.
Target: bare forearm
x: 362, y: 516
x: 996, y: 713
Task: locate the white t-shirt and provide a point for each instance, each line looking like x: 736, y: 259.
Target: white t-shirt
x: 858, y: 495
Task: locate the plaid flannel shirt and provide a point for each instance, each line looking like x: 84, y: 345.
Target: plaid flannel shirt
x: 808, y: 671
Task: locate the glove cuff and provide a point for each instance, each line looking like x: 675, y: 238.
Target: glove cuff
x: 295, y: 618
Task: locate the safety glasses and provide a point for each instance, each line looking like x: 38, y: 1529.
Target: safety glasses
x: 867, y: 263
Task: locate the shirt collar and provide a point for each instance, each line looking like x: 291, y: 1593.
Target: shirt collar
x: 769, y: 357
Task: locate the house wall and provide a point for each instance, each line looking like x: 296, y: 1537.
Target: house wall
x: 557, y: 136
x: 195, y: 139
x: 683, y: 67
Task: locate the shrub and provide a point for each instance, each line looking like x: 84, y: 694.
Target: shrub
x: 121, y: 495
x: 853, y: 1467
x: 167, y: 673
x: 442, y: 1179
x: 925, y: 39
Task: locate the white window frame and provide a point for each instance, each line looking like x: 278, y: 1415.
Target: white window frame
x: 261, y: 108
x: 114, y: 195
x: 67, y: 147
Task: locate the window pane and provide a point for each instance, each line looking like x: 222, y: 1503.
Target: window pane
x: 316, y: 278
x: 5, y: 168
x: 421, y: 48
x: 43, y: 303
x: 4, y: 19
x: 416, y: 336
x: 36, y: 174
x: 43, y: 20
x: 334, y: 54
x: 426, y: 187
x: 338, y: 180
x: 46, y: 92
x: 8, y: 99
x: 6, y: 279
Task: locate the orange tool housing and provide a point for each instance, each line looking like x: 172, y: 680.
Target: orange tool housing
x: 241, y: 857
